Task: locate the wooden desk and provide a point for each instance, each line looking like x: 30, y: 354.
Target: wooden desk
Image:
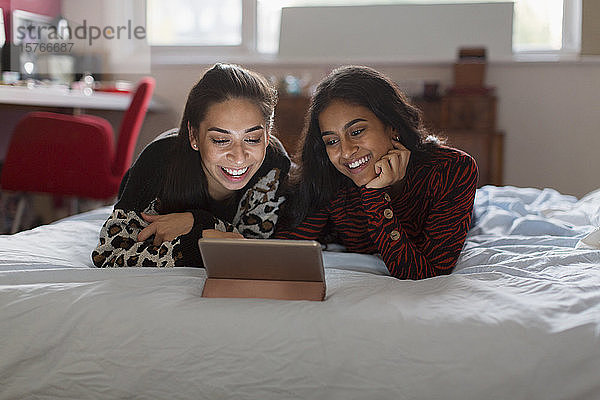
x: 16, y: 101
x: 57, y: 97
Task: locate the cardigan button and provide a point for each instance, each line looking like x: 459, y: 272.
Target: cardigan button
x: 394, y: 235
x: 388, y: 213
x: 387, y: 197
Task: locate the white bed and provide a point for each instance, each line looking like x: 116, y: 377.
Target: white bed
x: 519, y: 318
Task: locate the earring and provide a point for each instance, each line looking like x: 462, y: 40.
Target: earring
x: 397, y: 138
x: 195, y: 146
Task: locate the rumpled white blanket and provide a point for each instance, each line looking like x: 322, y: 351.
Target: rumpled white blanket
x: 519, y: 318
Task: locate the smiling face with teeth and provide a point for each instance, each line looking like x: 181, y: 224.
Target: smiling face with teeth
x: 354, y: 139
x: 232, y: 141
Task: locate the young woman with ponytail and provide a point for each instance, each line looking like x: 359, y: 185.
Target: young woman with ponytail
x: 219, y: 175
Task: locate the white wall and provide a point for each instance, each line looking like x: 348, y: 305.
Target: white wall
x: 550, y: 113
x: 551, y: 116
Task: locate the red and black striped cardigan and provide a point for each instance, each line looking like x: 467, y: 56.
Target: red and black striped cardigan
x: 419, y: 232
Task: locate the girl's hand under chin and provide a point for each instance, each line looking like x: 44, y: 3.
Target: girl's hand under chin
x: 390, y: 168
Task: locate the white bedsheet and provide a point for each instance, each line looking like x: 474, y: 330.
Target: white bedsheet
x: 519, y: 318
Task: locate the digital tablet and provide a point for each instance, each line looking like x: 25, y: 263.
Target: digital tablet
x: 264, y: 268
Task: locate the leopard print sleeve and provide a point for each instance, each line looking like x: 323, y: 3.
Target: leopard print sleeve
x: 118, y: 246
x: 259, y: 207
x: 256, y: 217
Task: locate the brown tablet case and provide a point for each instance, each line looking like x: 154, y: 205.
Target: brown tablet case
x: 256, y: 268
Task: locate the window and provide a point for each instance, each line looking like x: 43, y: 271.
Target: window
x: 538, y: 25
x: 195, y: 23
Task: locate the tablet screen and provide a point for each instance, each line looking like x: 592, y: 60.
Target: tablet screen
x: 264, y: 259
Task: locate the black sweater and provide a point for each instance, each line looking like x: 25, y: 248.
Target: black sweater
x: 253, y: 211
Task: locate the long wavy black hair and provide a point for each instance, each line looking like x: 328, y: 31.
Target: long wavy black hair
x: 185, y: 185
x: 316, y: 181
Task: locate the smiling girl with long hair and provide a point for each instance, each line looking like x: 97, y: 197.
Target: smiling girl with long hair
x: 373, y: 180
x: 218, y: 175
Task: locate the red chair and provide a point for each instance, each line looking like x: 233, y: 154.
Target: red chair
x: 74, y: 155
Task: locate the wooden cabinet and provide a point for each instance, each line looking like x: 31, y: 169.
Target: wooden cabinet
x: 486, y: 147
x: 289, y: 120
x: 467, y: 122
x: 473, y: 112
